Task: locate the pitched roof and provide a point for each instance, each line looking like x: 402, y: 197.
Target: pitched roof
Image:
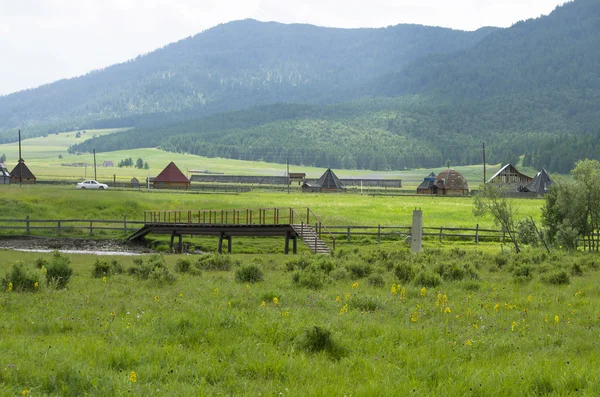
x: 329, y: 181
x: 22, y: 171
x: 451, y: 179
x: 171, y: 174
x: 428, y: 182
x: 509, y: 165
x: 540, y: 184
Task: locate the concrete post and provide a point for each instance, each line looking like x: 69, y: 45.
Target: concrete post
x: 416, y: 241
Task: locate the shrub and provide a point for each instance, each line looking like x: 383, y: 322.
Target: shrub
x: 501, y: 260
x: 312, y: 277
x: 405, y: 272
x: 527, y: 232
x: 21, y: 278
x: 559, y: 277
x: 359, y: 269
x: 40, y: 262
x: 58, y: 270
x: 215, y: 262
x: 183, y: 266
x: 427, y: 278
x: 299, y: 263
x: 318, y: 339
x: 154, y: 269
x: 566, y: 237
x: 365, y: 303
x: 576, y: 269
x: 249, y: 274
x: 162, y: 248
x: 341, y: 273
x: 103, y: 268
x: 522, y: 274
x: 376, y: 280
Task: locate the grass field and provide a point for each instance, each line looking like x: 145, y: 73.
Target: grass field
x: 41, y: 155
x: 492, y: 332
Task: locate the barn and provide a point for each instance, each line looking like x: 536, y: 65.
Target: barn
x: 540, y: 184
x: 21, y: 173
x: 428, y: 185
x: 171, y: 178
x: 510, y: 177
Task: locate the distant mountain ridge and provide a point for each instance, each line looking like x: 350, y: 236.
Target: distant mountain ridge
x: 231, y: 66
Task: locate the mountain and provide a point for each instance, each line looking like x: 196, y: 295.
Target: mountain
x: 531, y: 90
x: 231, y: 66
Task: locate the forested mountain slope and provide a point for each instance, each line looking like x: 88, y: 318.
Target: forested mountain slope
x: 232, y: 66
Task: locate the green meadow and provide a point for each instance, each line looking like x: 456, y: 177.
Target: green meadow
x: 41, y: 155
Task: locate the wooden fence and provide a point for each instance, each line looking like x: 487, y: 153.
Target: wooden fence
x: 30, y: 226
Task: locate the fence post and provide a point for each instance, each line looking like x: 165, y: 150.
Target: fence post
x: 124, y: 224
x: 348, y: 233
x: 378, y: 233
x: 58, y: 227
x: 477, y: 234
x: 27, y: 224
x: 91, y: 228
x: 441, y: 233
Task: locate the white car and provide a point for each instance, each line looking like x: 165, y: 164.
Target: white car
x: 92, y: 184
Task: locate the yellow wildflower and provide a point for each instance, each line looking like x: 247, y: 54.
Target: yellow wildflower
x: 394, y: 290
x: 263, y: 304
x: 112, y: 314
x: 276, y: 301
x: 469, y: 312
x: 247, y: 286
x: 556, y: 320
x: 496, y: 306
x: 414, y: 316
x: 337, y: 298
x: 10, y: 287
x: 36, y: 285
x: 475, y: 326
x: 513, y: 326
x: 229, y: 304
x: 25, y: 392
x: 156, y: 299
x: 348, y: 296
x: 355, y: 285
x: 44, y: 270
x: 285, y: 314
x: 216, y: 292
x: 132, y: 377
x: 468, y: 342
x: 423, y: 291
x: 529, y: 299
x: 181, y: 294
x: 344, y: 309
x: 104, y: 279
x: 402, y: 294
x: 448, y: 310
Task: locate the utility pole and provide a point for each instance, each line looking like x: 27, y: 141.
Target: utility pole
x: 287, y: 163
x: 95, y: 176
x: 20, y: 161
x: 484, y: 170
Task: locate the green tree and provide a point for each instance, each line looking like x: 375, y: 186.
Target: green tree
x: 146, y: 166
x: 139, y: 163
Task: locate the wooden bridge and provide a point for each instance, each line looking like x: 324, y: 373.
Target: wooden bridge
x: 291, y: 223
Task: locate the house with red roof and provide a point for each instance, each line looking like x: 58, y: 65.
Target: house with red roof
x: 171, y: 178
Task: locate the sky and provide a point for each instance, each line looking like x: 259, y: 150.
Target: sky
x: 42, y: 41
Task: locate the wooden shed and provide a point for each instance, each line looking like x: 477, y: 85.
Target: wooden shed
x: 328, y: 182
x: 171, y: 178
x: 510, y: 177
x: 4, y: 175
x: 22, y: 174
x: 451, y: 183
x: 135, y: 183
x: 297, y: 177
x: 428, y: 185
x: 540, y: 184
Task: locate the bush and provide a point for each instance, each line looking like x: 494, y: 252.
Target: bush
x: 341, y: 273
x: 359, y: 269
x: 249, y: 274
x: 455, y: 272
x: 566, y: 237
x: 103, y: 268
x: 376, y: 280
x: 427, y: 278
x: 405, y: 272
x: 215, y: 262
x: 501, y: 260
x: 559, y: 277
x: 58, y: 270
x: 365, y: 303
x: 318, y: 339
x: 312, y: 277
x: 522, y: 274
x: 183, y: 266
x: 299, y: 263
x: 527, y: 233
x: 154, y: 269
x: 21, y: 278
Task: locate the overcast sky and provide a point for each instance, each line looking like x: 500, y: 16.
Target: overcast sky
x: 42, y: 41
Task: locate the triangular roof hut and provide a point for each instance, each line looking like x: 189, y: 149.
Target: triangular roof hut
x: 171, y: 178
x: 540, y: 184
x: 21, y: 173
x: 428, y: 185
x: 451, y: 183
x: 4, y: 175
x: 328, y: 182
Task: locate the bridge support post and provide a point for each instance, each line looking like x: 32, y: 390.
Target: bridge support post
x: 295, y: 244
x: 229, y: 244
x: 180, y: 248
x: 172, y: 240
x: 221, y: 236
x: 286, y: 251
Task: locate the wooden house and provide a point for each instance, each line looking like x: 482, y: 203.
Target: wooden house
x: 451, y: 183
x: 329, y: 182
x: 135, y: 183
x: 296, y: 177
x: 428, y: 185
x: 510, y: 177
x: 171, y: 178
x: 22, y: 174
x: 4, y: 175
